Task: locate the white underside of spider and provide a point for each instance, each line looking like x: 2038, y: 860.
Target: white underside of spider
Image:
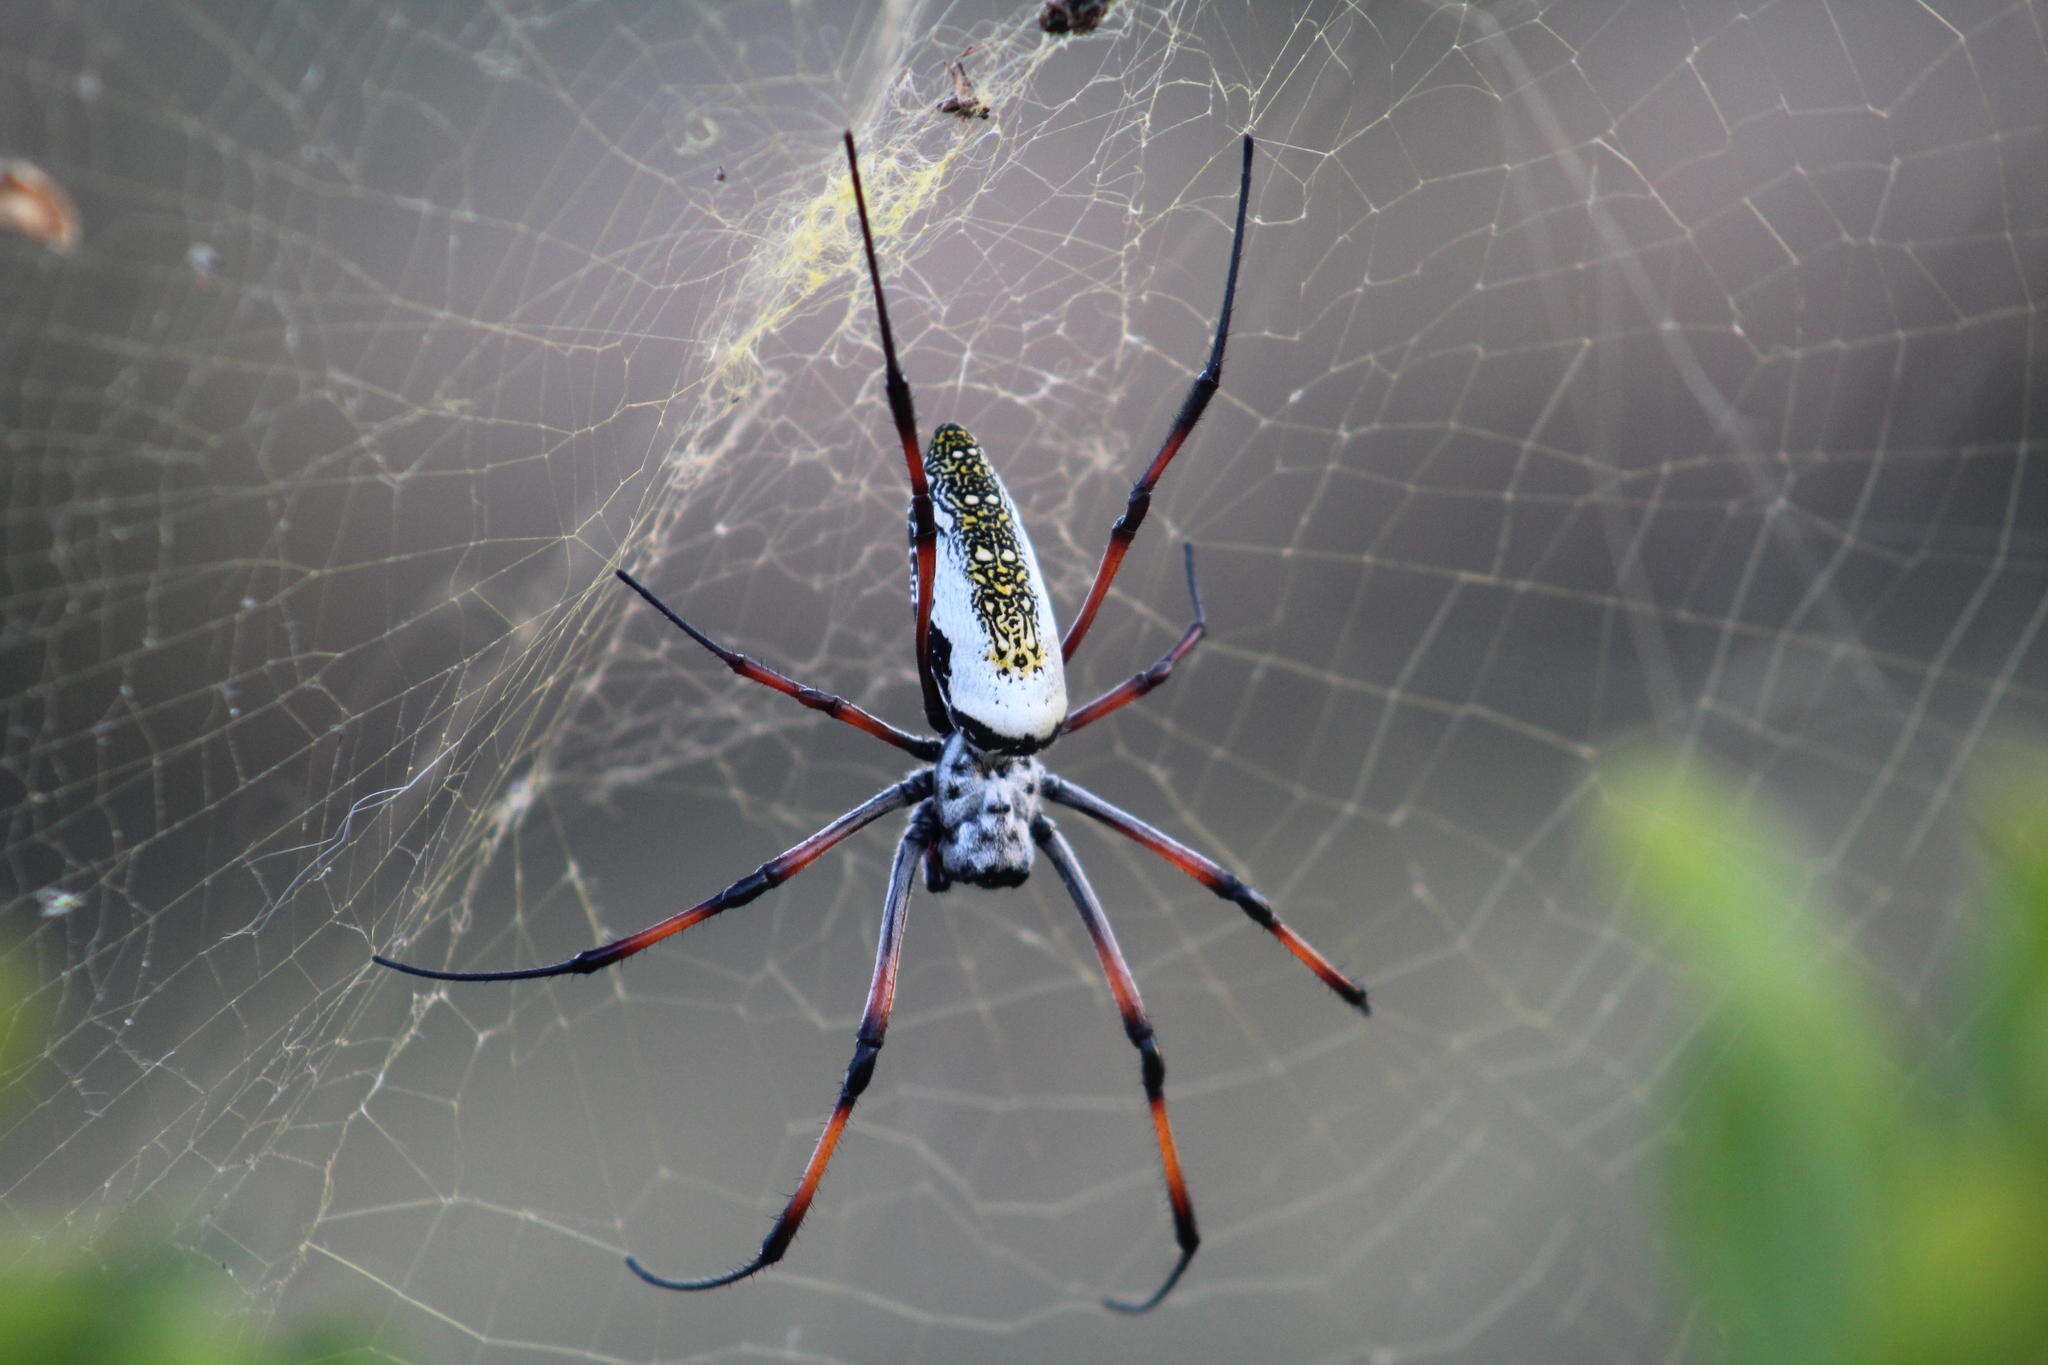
x: 991, y: 670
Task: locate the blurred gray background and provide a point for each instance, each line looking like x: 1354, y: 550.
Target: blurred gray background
x: 1603, y: 372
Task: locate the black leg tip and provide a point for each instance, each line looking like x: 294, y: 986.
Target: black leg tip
x: 714, y: 1282
x: 1145, y: 1306
x: 1132, y: 1308
x: 424, y: 973
x: 633, y: 1264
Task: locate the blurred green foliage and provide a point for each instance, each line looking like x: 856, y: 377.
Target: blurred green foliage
x: 1836, y: 1195
x: 120, y: 1298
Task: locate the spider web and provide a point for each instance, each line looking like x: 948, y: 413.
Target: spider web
x: 1602, y: 369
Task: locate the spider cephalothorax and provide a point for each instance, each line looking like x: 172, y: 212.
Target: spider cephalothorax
x: 983, y: 807
x: 991, y: 668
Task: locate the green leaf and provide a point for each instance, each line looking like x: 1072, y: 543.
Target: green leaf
x: 1785, y: 1105
x: 2007, y: 1047
x: 1966, y: 1276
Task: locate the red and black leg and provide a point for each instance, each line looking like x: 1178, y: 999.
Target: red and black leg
x: 1191, y: 408
x: 1212, y: 875
x: 1139, y: 684
x: 874, y: 1024
x: 1138, y: 1028
x: 772, y: 873
x: 839, y: 708
x: 924, y: 533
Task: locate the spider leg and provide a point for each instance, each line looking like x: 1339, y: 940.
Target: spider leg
x: 774, y: 872
x: 839, y: 708
x: 1199, y: 394
x: 1139, y: 684
x: 1138, y: 1028
x: 874, y: 1023
x: 1212, y: 875
x: 924, y: 530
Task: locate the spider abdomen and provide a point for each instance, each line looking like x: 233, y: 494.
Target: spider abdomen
x: 995, y: 648
x: 985, y: 805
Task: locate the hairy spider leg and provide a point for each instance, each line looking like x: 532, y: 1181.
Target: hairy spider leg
x: 838, y: 708
x: 1199, y: 394
x: 1138, y: 684
x: 772, y: 873
x: 1138, y: 1028
x: 1212, y: 875
x: 874, y: 1024
x: 923, y: 528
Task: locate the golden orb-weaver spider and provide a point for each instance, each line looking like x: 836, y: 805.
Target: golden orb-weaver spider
x: 995, y: 692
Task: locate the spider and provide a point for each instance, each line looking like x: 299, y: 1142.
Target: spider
x: 994, y: 691
x: 1072, y: 16
x: 965, y: 102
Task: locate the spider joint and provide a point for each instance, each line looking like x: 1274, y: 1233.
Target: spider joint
x: 774, y: 1245
x: 1153, y: 1064
x: 861, y: 1069
x: 1232, y: 888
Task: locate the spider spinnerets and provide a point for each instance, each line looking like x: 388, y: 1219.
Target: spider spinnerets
x: 994, y: 689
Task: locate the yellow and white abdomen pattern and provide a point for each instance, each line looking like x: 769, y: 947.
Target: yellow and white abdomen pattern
x: 995, y: 649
